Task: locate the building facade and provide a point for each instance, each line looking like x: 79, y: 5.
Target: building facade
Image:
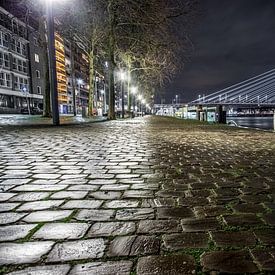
x: 20, y: 68
x: 22, y: 75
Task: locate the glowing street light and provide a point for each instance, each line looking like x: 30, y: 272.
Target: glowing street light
x: 122, y: 75
x: 133, y: 90
x: 79, y: 81
x: 139, y: 97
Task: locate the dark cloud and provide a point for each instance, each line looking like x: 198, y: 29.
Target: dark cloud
x: 233, y: 40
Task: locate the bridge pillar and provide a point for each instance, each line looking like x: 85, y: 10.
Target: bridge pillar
x: 221, y: 114
x: 198, y: 111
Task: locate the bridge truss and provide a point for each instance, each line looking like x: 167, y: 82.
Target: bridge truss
x: 258, y: 90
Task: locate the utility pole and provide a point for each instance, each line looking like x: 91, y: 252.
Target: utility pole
x: 52, y: 64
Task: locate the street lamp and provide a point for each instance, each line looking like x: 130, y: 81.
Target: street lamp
x: 133, y: 90
x: 142, y: 103
x: 52, y: 63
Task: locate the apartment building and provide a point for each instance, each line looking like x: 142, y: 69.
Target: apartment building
x: 22, y: 76
x: 20, y: 65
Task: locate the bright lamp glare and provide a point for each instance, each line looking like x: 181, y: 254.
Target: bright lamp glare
x: 122, y: 75
x: 79, y: 81
x: 134, y: 90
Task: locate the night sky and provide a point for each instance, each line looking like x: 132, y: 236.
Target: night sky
x: 233, y: 40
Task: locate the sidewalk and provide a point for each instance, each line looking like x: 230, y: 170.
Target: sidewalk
x: 27, y: 120
x: 144, y: 196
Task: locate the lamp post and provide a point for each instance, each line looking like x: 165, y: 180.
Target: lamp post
x: 143, y: 102
x: 52, y: 63
x: 139, y: 99
x: 79, y: 83
x: 133, y: 103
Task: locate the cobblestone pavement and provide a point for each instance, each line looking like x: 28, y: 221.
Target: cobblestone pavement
x: 142, y: 196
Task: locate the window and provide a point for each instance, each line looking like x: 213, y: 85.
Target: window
x: 19, y: 65
x: 8, y: 80
x: 13, y: 44
x: 24, y: 51
x: 20, y: 83
x: 18, y: 47
x: 14, y: 63
x: 39, y: 90
x: 4, y: 60
x: 7, y: 60
x: 36, y: 57
x: 16, y: 83
x: 5, y: 80
x: 14, y: 27
x: 37, y: 74
x: 35, y: 41
x: 24, y: 66
x: 4, y: 39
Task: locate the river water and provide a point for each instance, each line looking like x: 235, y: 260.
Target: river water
x: 252, y: 122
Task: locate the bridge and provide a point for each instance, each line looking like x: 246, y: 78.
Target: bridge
x: 255, y: 91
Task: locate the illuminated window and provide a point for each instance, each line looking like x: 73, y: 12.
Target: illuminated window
x: 36, y: 57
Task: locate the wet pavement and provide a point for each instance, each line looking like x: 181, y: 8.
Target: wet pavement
x: 151, y: 195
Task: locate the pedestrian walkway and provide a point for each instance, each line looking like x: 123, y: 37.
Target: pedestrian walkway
x: 32, y: 120
x: 150, y: 195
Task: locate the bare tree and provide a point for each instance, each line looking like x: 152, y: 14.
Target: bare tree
x: 82, y: 24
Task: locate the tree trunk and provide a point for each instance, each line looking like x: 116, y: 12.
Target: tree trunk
x: 128, y: 85
x: 111, y: 57
x: 91, y: 83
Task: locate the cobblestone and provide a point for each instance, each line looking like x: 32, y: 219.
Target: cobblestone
x: 29, y: 252
x: 144, y: 196
x: 15, y: 232
x: 111, y: 229
x: 59, y: 231
x: 44, y: 270
x: 76, y: 250
x: 228, y: 262
x: 162, y: 265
